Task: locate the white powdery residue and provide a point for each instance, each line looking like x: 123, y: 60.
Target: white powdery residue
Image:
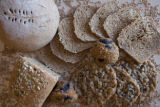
x: 64, y: 7
x: 67, y: 9
x: 156, y: 59
x: 74, y: 3
x: 159, y: 28
x: 158, y: 88
x: 123, y: 1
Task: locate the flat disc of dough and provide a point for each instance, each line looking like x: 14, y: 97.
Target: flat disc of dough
x: 96, y: 22
x: 59, y: 51
x: 68, y: 38
x: 82, y: 16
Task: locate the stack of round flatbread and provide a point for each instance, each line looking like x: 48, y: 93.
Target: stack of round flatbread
x: 77, y: 34
x: 135, y: 35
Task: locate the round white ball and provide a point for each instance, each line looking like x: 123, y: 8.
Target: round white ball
x: 28, y: 25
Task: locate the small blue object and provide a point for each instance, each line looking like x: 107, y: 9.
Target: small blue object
x: 65, y: 88
x: 106, y: 41
x: 68, y: 98
x: 129, y: 85
x: 107, y: 46
x: 74, y: 87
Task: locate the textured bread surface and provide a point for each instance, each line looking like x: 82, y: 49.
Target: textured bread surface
x: 1, y: 46
x: 28, y: 25
x: 105, y: 52
x: 82, y: 17
x: 68, y: 38
x: 145, y: 74
x: 59, y: 51
x: 64, y: 93
x: 114, y: 23
x: 96, y: 84
x: 31, y: 82
x: 96, y: 22
x: 140, y: 39
x: 127, y: 90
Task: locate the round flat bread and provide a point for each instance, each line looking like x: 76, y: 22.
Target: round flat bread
x: 95, y: 83
x: 96, y: 22
x: 82, y: 16
x: 59, y: 51
x: 68, y: 38
x: 28, y: 25
x: 114, y: 23
x: 46, y: 57
x: 127, y: 90
x: 145, y: 75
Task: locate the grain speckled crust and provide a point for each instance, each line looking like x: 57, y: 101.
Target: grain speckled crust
x: 63, y: 93
x: 145, y: 74
x: 95, y: 84
x: 140, y: 39
x: 116, y: 22
x: 68, y: 38
x: 105, y: 52
x: 96, y: 22
x: 82, y: 17
x: 127, y: 90
x: 31, y: 82
x: 28, y: 25
x: 59, y: 51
